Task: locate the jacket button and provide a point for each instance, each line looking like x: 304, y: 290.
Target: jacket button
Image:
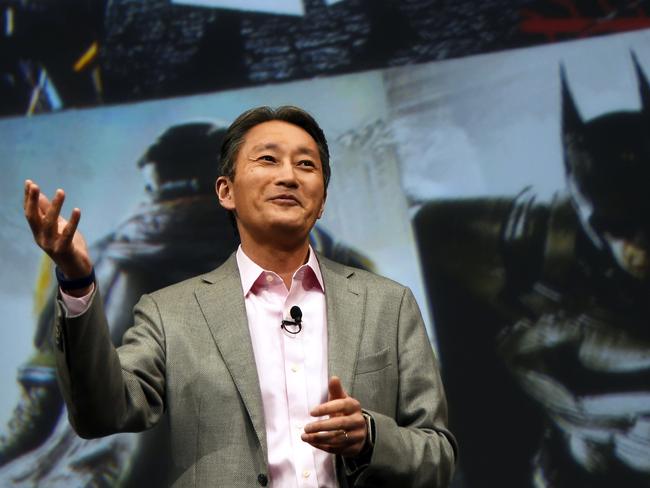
x: 58, y: 340
x: 262, y: 479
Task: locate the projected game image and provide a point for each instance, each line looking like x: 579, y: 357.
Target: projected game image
x: 530, y: 213
x: 496, y: 167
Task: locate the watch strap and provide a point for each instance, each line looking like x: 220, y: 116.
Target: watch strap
x: 75, y: 284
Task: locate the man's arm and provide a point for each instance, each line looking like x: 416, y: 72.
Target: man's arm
x: 106, y: 391
x: 412, y: 448
x: 416, y: 448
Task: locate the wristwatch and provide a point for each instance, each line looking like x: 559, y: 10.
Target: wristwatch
x: 370, y: 426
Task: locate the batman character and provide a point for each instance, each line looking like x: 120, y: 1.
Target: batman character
x: 542, y: 313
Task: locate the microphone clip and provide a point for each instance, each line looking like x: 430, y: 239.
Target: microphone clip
x: 293, y: 326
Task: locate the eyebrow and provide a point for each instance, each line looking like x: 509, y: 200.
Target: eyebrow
x: 273, y: 146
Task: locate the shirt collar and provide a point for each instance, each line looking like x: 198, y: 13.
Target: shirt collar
x: 250, y: 271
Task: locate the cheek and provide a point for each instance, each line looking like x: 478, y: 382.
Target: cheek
x: 250, y: 188
x: 634, y: 254
x: 631, y: 257
x: 316, y: 190
x: 318, y: 201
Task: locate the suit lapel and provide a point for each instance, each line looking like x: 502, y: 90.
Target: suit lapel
x: 222, y: 304
x: 345, y: 311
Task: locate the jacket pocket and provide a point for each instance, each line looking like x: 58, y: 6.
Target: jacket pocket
x: 374, y: 362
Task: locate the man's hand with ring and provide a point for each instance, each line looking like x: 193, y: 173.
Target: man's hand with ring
x: 345, y: 431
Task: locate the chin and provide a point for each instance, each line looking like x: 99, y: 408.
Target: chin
x: 290, y: 227
x: 641, y: 274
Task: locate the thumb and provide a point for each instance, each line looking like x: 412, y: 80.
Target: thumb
x: 335, y: 389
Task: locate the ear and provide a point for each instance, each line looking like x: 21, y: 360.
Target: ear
x: 644, y: 85
x: 571, y: 119
x: 572, y: 125
x: 224, y: 190
x: 322, y: 206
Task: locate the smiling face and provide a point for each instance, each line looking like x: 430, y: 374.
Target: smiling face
x: 278, y: 191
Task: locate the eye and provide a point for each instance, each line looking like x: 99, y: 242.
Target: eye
x: 267, y: 157
x: 307, y: 162
x: 617, y: 227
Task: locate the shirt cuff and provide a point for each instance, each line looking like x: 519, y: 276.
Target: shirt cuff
x: 75, y: 306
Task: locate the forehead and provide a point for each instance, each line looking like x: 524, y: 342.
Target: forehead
x: 279, y: 134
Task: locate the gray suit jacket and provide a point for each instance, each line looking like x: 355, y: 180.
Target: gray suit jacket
x: 189, y: 352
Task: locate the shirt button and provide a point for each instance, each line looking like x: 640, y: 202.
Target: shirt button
x: 295, y: 368
x: 306, y: 473
x: 269, y: 278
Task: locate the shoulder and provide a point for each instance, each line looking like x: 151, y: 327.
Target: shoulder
x: 360, y: 277
x: 226, y: 274
x: 382, y: 301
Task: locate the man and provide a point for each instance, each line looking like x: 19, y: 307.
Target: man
x: 244, y: 378
x: 177, y: 231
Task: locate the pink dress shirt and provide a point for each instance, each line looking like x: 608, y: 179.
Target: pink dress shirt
x: 292, y: 368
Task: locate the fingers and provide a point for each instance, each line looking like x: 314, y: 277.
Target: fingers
x: 344, y: 431
x: 28, y: 186
x: 33, y: 212
x: 328, y: 436
x: 336, y: 439
x: 51, y: 231
x: 39, y: 211
x: 339, y: 402
x: 343, y: 406
x: 58, y: 237
x: 52, y: 212
x: 346, y: 422
x: 30, y: 204
x: 345, y: 435
x: 335, y: 388
x: 71, y: 227
x: 339, y: 442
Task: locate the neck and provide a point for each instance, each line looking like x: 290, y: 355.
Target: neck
x: 281, y: 258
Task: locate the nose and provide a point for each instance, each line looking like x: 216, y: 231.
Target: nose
x: 286, y: 174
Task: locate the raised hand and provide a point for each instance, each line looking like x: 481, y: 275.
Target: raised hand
x: 57, y: 236
x: 345, y: 431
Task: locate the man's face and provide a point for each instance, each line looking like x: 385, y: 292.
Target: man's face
x: 278, y: 191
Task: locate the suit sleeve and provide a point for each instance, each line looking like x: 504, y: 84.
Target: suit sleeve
x: 414, y: 449
x: 109, y: 390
